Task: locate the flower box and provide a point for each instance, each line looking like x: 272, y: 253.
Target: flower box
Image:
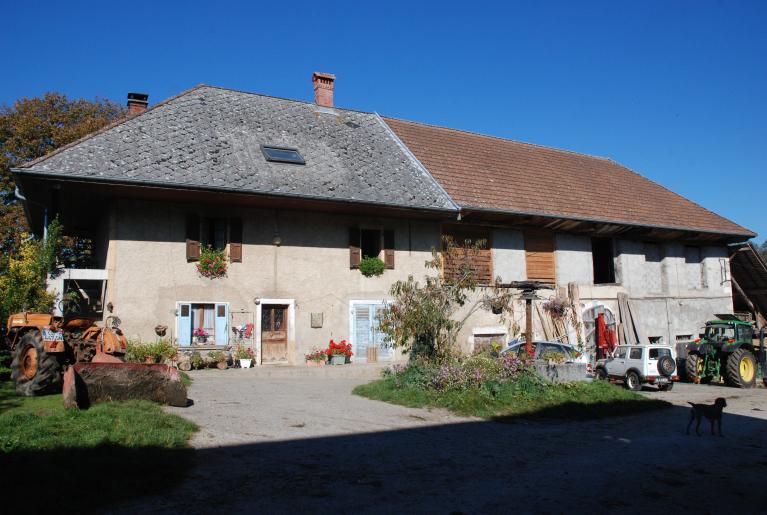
x: 338, y: 359
x: 313, y: 363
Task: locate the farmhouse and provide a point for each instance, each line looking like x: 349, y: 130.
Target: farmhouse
x: 296, y: 194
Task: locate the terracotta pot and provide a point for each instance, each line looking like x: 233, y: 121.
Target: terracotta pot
x: 312, y: 363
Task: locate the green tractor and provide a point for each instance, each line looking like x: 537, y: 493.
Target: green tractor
x: 726, y: 349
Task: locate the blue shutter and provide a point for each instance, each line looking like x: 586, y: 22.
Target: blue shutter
x: 384, y: 352
x: 222, y: 324
x: 184, y: 324
x: 362, y: 331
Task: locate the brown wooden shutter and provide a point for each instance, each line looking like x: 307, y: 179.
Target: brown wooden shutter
x: 388, y: 237
x: 481, y: 261
x: 235, y: 240
x: 192, y: 237
x: 354, y: 247
x: 539, y: 256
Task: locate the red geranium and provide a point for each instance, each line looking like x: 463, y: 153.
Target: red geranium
x: 337, y: 349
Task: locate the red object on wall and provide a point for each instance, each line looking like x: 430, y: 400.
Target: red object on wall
x: 601, y: 336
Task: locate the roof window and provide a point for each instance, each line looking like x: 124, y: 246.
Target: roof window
x: 282, y: 155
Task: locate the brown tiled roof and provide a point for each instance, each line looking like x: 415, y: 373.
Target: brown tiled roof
x: 508, y: 176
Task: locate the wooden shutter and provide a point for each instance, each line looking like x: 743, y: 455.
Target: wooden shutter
x: 388, y: 237
x: 539, y: 257
x: 354, y: 247
x: 221, y: 328
x: 192, y: 237
x: 235, y: 240
x: 481, y: 261
x: 184, y: 324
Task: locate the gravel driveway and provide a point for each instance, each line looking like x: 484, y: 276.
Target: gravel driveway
x: 306, y: 445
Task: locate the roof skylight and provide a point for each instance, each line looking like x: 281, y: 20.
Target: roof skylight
x: 282, y: 155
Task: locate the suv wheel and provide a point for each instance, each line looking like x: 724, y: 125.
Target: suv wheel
x: 666, y: 387
x: 632, y: 382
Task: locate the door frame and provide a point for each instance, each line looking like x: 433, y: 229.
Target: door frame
x: 291, y: 304
x: 352, y: 304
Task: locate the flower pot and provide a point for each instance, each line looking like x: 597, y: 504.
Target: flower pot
x: 245, y: 363
x: 201, y: 340
x: 337, y: 359
x: 313, y: 363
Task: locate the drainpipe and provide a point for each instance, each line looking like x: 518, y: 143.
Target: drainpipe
x: 18, y: 195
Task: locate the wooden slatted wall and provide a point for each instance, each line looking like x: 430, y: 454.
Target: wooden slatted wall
x: 539, y: 256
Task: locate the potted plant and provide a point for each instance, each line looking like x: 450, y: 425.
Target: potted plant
x: 200, y: 335
x: 371, y: 266
x: 244, y: 355
x: 338, y: 353
x: 316, y: 358
x: 212, y: 263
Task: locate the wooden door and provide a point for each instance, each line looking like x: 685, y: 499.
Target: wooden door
x: 274, y: 333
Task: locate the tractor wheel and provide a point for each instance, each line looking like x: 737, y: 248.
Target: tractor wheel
x: 632, y: 381
x: 741, y: 369
x: 34, y: 371
x: 694, y: 368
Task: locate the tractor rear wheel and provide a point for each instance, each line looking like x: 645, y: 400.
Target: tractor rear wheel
x: 694, y: 368
x: 741, y: 369
x: 34, y: 371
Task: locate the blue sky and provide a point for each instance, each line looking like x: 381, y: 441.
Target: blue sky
x: 673, y: 89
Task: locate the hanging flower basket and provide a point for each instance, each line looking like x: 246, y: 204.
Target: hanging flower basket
x: 212, y: 263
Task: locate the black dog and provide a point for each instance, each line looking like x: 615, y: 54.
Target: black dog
x: 713, y: 412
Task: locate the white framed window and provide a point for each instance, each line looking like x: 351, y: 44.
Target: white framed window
x: 202, y: 323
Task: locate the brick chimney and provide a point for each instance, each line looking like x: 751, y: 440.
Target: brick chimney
x: 137, y: 103
x: 323, y: 88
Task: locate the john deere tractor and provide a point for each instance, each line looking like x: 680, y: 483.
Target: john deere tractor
x: 726, y: 349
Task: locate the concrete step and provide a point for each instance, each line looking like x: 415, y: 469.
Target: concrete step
x: 349, y: 371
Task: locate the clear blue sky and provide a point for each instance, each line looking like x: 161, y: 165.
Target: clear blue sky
x: 673, y: 89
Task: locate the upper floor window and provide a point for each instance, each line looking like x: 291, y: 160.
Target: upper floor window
x: 218, y: 233
x: 470, y: 250
x: 603, y: 260
x: 539, y: 256
x: 371, y: 243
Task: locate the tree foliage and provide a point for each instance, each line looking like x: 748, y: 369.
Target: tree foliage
x: 423, y: 318
x: 31, y: 128
x: 23, y: 284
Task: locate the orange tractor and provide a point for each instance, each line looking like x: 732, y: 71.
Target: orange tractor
x: 85, y: 359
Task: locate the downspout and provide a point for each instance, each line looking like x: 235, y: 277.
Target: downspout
x: 18, y: 195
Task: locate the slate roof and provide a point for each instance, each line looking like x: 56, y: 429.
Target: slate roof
x: 507, y: 176
x: 210, y: 137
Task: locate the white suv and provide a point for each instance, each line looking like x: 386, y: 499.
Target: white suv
x: 636, y: 365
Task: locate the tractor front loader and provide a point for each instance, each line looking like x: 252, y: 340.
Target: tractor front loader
x: 85, y: 360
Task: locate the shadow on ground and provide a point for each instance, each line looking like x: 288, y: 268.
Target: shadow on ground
x: 626, y: 463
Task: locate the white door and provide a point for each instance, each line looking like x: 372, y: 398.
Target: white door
x: 365, y: 331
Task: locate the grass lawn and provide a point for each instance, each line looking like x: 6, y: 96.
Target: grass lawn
x: 519, y: 399
x: 90, y: 458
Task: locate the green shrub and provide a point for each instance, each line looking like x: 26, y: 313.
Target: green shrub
x: 159, y: 351
x: 196, y: 361
x: 370, y: 266
x: 217, y: 356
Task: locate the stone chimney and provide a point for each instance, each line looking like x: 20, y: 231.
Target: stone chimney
x: 323, y: 88
x: 137, y: 103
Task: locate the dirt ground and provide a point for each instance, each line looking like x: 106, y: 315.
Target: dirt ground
x: 306, y: 445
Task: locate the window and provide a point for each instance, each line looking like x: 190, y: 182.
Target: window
x: 602, y: 257
x: 539, y: 257
x: 683, y: 338
x: 202, y: 323
x: 479, y: 261
x: 365, y: 242
x: 657, y: 353
x: 636, y: 353
x: 620, y: 352
x: 218, y: 233
x: 282, y: 155
x: 655, y: 340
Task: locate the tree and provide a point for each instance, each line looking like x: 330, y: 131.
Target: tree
x: 422, y: 318
x: 30, y: 129
x: 23, y: 284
